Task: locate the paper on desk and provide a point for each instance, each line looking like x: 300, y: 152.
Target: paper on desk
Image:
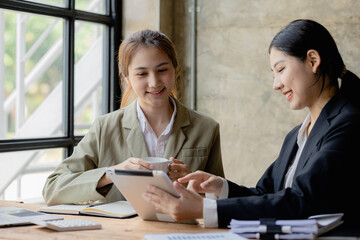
x: 194, y: 236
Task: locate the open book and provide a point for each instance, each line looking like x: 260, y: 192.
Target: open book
x: 287, y: 229
x: 119, y: 209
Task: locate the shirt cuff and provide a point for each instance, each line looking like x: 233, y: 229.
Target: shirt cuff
x: 210, y: 213
x: 224, y: 193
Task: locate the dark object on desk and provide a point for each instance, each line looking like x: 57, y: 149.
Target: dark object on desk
x: 14, y: 216
x: 345, y: 230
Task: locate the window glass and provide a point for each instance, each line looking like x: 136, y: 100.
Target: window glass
x: 35, y: 167
x: 57, y: 3
x: 89, y: 66
x: 31, y: 75
x: 94, y: 6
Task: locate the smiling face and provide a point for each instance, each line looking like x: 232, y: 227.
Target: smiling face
x: 152, y: 77
x: 295, y: 79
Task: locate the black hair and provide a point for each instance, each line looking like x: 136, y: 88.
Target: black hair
x: 302, y: 35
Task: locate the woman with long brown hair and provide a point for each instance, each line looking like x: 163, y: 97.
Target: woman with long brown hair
x: 150, y: 123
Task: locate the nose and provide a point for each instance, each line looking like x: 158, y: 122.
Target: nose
x: 153, y: 80
x: 277, y: 85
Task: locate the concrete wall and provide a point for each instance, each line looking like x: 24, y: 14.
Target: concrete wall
x: 234, y: 81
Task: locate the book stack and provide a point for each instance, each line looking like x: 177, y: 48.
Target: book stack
x: 286, y: 229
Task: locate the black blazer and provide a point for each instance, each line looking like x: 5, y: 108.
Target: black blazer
x: 325, y: 180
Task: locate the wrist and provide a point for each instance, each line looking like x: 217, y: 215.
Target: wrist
x: 104, y: 180
x: 220, y: 186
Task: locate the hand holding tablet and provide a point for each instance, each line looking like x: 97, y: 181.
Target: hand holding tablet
x: 132, y: 184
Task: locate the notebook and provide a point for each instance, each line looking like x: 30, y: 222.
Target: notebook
x: 13, y: 216
x: 119, y: 209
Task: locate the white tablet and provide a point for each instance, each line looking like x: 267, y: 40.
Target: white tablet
x: 132, y: 184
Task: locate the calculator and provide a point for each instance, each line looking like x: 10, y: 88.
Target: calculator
x: 69, y: 225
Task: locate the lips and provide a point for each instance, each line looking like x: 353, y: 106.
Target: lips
x: 156, y: 92
x: 289, y: 94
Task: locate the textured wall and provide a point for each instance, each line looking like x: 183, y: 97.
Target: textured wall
x: 140, y: 14
x: 233, y: 72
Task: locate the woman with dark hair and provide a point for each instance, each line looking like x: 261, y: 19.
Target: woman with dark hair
x: 316, y: 170
x: 150, y: 123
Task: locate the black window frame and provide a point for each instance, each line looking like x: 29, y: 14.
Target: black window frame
x: 113, y: 20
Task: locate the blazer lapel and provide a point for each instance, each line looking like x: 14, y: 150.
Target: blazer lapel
x: 132, y: 132
x: 313, y: 143
x: 177, y: 137
x: 289, y: 154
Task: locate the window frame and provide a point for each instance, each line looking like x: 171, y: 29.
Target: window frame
x: 112, y: 19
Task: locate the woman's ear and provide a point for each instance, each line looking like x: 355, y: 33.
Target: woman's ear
x: 313, y: 57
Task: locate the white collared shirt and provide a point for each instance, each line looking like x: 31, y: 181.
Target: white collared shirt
x: 155, y: 145
x: 209, y: 205
x: 301, y: 140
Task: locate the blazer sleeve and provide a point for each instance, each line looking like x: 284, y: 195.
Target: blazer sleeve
x: 76, y: 178
x: 323, y: 183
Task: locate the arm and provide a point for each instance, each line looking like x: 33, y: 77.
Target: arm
x: 130, y: 163
x: 322, y: 183
x: 81, y: 177
x: 77, y: 174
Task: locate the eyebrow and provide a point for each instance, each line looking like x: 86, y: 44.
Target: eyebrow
x: 159, y: 65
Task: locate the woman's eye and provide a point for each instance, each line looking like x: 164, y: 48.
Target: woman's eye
x: 281, y: 69
x: 162, y: 70
x: 141, y: 74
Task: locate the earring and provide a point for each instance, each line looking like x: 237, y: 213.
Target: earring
x: 314, y: 72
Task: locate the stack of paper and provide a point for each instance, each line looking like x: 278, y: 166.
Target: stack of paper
x: 286, y: 229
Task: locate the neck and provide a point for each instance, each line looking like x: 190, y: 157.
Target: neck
x: 158, y: 118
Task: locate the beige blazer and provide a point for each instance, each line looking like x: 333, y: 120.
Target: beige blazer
x: 117, y: 136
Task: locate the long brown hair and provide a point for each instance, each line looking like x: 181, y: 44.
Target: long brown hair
x: 127, y: 49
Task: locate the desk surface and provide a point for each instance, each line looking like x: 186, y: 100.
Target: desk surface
x: 112, y: 228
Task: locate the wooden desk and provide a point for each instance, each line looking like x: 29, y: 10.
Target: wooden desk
x: 112, y: 228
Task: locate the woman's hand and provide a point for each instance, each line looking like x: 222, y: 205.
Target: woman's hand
x: 188, y: 207
x: 129, y: 164
x: 134, y: 164
x: 203, y: 182
x: 177, y: 169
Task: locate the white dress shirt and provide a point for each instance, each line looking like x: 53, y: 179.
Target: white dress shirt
x: 301, y: 140
x: 210, y: 208
x: 155, y: 145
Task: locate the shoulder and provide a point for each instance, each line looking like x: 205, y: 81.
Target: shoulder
x: 121, y: 117
x: 198, y: 117
x: 111, y: 117
x: 340, y: 111
x: 293, y: 133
